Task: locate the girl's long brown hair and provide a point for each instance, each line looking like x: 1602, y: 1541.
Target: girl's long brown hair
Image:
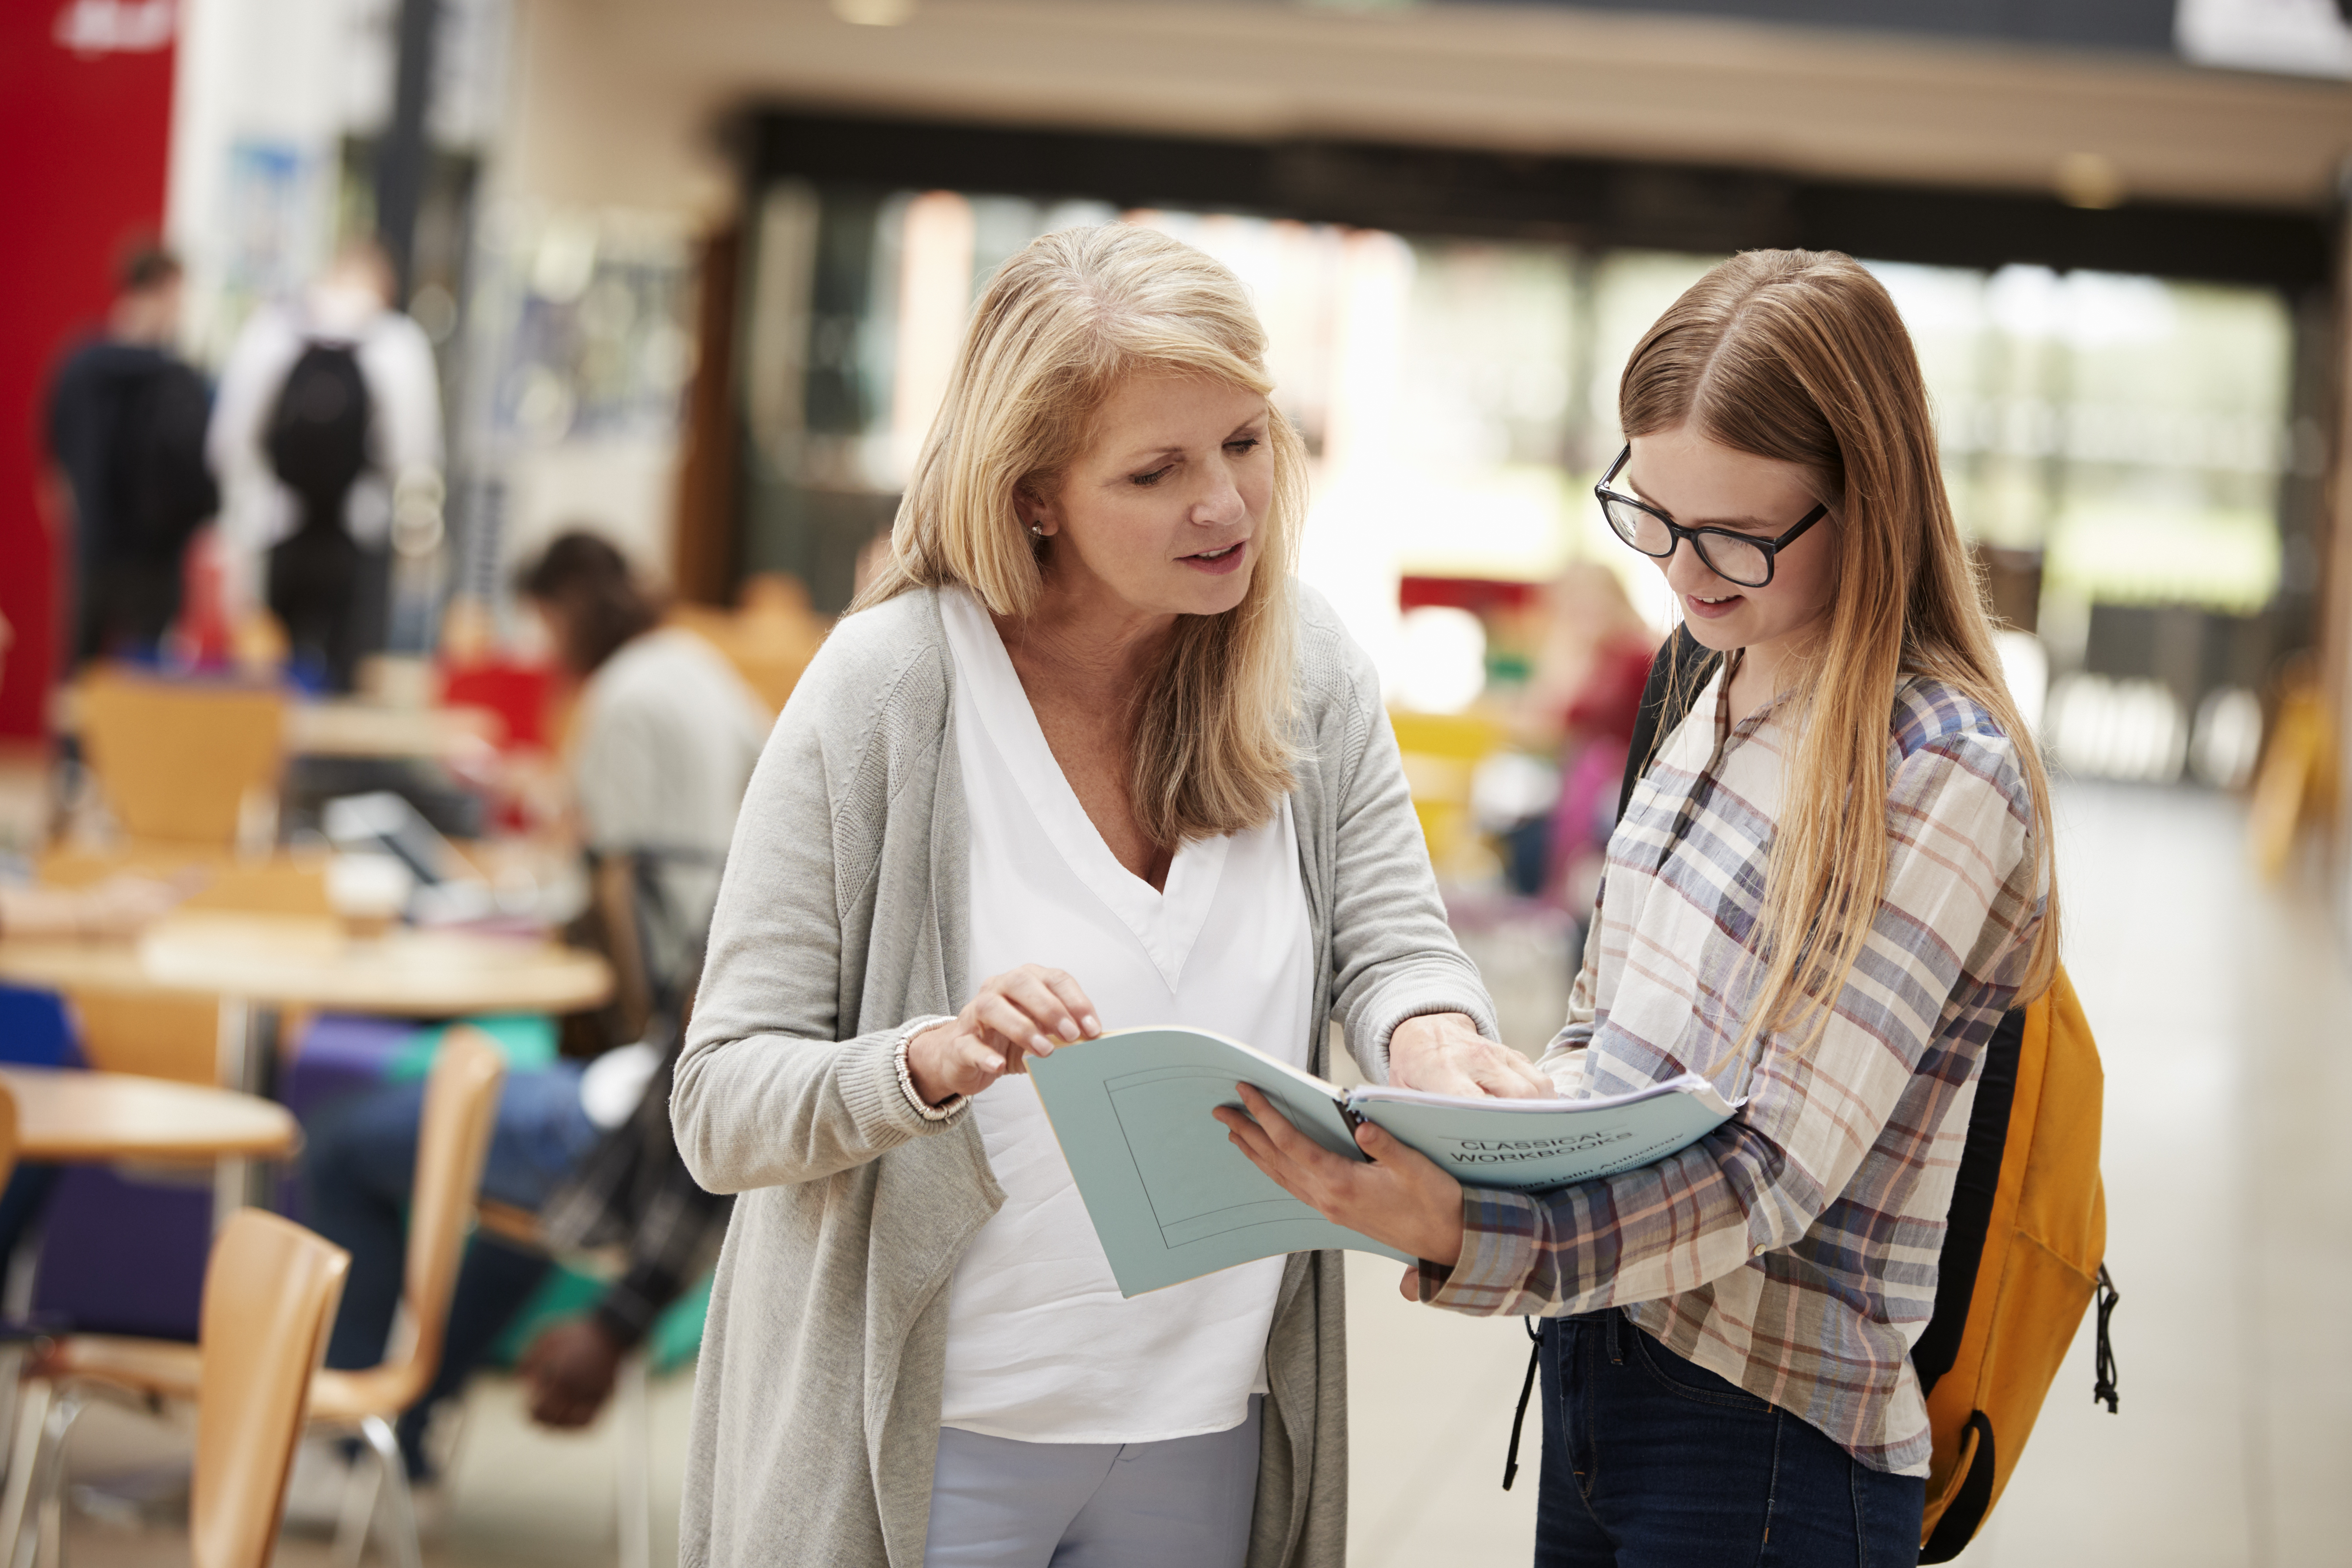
x: 1060, y: 324
x: 1800, y: 356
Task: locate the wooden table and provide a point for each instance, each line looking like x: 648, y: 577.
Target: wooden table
x: 68, y: 1117
x: 300, y: 961
x: 347, y: 727
x: 352, y: 727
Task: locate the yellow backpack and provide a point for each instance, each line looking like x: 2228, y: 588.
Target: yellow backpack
x: 2025, y: 1237
x: 2023, y: 1244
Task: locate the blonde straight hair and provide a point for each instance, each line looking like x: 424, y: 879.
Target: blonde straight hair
x: 1800, y: 356
x: 1062, y: 323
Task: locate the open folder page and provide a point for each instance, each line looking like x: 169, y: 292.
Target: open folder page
x: 1172, y: 1199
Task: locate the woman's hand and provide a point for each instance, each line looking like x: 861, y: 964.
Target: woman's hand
x: 1443, y: 1053
x: 1402, y: 1197
x: 1020, y: 1013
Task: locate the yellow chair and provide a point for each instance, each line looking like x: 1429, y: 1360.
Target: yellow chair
x: 176, y: 761
x: 2297, y: 780
x: 1441, y: 754
x: 461, y: 1099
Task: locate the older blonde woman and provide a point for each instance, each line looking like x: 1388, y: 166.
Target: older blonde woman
x: 1086, y: 757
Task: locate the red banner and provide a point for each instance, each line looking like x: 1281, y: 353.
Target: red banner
x: 85, y: 136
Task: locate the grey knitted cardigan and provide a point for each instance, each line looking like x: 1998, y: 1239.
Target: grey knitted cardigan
x: 841, y: 918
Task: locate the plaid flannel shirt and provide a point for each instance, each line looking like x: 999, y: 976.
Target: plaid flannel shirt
x: 1794, y: 1250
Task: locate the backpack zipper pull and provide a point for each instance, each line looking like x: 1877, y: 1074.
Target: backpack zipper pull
x: 2102, y: 1388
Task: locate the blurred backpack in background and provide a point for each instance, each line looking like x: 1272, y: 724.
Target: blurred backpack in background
x: 316, y: 438
x: 325, y: 590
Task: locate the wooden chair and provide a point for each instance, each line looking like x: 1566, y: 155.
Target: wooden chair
x: 167, y: 1036
x: 179, y: 760
x: 769, y: 639
x: 270, y: 1293
x: 461, y: 1099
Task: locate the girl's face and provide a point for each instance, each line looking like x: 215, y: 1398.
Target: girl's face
x: 1701, y: 483
x: 1162, y: 514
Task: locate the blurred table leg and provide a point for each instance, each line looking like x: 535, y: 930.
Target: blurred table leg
x: 633, y: 1497
x: 238, y: 1065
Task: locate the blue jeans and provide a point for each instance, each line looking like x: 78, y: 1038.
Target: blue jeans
x: 1652, y: 1462
x: 359, y: 1161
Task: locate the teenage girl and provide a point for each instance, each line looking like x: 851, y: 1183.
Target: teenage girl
x: 1833, y: 879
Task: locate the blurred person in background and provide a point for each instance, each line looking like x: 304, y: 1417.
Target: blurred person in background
x: 665, y: 736
x: 329, y: 411
x: 1587, y: 691
x: 1086, y: 756
x: 1834, y: 877
x: 128, y: 485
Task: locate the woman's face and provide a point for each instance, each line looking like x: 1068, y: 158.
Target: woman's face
x: 1163, y: 512
x: 1701, y: 483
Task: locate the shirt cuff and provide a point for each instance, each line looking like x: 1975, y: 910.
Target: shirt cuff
x: 1499, y: 1255
x: 947, y: 1110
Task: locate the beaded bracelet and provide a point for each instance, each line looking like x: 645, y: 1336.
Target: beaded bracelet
x: 923, y: 1108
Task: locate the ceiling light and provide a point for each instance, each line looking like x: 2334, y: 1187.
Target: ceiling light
x: 873, y: 13
x: 2089, y: 179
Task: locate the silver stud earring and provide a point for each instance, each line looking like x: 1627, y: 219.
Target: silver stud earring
x: 1037, y: 530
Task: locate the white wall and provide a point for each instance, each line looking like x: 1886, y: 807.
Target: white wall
x: 624, y: 91
x: 257, y: 115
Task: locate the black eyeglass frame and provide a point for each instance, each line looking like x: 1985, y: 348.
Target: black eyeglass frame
x: 1676, y: 533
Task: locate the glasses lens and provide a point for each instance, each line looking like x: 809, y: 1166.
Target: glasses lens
x: 1735, y: 560
x: 1637, y: 527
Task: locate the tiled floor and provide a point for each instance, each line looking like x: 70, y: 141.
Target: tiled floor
x: 2221, y: 1010
x: 2224, y: 1015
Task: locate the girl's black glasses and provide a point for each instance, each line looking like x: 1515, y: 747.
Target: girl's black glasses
x: 1735, y: 557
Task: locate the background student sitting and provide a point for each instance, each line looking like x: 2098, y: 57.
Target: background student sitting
x: 666, y: 737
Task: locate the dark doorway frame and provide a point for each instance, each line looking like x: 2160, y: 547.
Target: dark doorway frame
x: 1599, y: 204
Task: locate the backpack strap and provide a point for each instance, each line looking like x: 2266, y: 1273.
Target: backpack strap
x: 1968, y: 1219
x: 1678, y: 671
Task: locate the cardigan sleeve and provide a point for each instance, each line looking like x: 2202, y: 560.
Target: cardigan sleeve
x: 1393, y: 955
x: 765, y: 1094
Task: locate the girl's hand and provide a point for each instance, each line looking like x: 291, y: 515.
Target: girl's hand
x: 1020, y: 1013
x: 1402, y: 1197
x: 1443, y: 1053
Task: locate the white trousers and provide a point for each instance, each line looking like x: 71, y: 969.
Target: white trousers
x: 1184, y: 1504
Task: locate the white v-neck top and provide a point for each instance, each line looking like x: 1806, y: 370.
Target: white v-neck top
x: 1040, y: 1345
